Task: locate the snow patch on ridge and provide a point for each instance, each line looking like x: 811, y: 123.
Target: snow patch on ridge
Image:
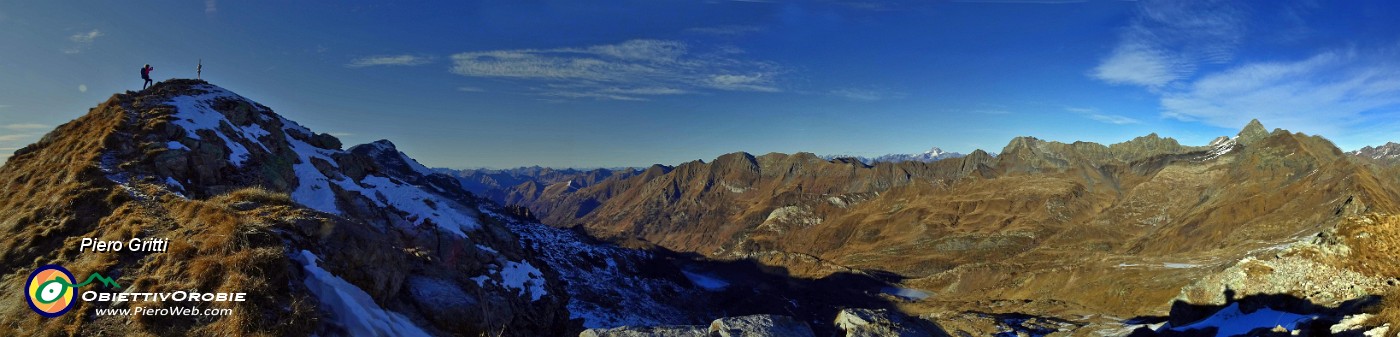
x: 521, y: 276
x: 412, y: 163
x: 314, y: 189
x: 194, y: 113
x: 421, y: 205
x: 524, y: 277
x: 1230, y: 321
x: 706, y: 281
x: 1220, y: 147
x: 910, y: 294
x: 604, y: 288
x: 353, y: 308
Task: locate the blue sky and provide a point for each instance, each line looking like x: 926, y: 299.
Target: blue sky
x: 585, y: 84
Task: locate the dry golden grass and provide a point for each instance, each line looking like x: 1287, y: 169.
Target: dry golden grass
x: 213, y: 247
x: 1374, y: 240
x: 1389, y: 309
x: 258, y: 194
x: 218, y: 248
x: 228, y: 243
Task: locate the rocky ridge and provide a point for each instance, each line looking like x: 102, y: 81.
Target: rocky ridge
x: 1044, y: 226
x: 327, y: 241
x: 1390, y: 151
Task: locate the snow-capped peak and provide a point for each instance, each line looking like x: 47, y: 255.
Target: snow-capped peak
x: 932, y: 155
x: 1221, y: 146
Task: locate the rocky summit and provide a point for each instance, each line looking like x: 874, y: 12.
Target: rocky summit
x: 1144, y: 237
x: 331, y: 241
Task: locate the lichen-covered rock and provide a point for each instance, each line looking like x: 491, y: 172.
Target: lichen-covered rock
x: 655, y: 331
x: 1297, y: 269
x: 881, y: 323
x: 760, y: 326
x: 1357, y: 324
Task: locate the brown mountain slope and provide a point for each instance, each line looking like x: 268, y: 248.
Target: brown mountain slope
x: 222, y: 179
x: 1116, y: 229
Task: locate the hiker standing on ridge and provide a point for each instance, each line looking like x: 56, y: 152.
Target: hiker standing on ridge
x: 146, y: 75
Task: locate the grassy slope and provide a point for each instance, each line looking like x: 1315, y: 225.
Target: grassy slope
x: 56, y: 194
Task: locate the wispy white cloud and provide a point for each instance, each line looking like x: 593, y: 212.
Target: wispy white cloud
x: 1033, y: 2
x: 1113, y: 119
x: 591, y: 94
x: 609, y: 93
x: 1184, y: 52
x: 211, y: 6
x: 629, y: 70
x: 1138, y: 64
x: 82, y: 88
x: 24, y: 126
x: 1094, y: 114
x: 1326, y: 93
x: 726, y: 30
x: 742, y: 82
x: 87, y: 37
x: 6, y: 152
x: 17, y: 137
x: 870, y: 95
x: 646, y: 91
x: 81, y: 41
x: 470, y: 89
x: 389, y: 60
x: 1168, y: 40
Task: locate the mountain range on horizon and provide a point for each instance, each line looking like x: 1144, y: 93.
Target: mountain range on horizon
x: 1378, y: 152
x: 1144, y: 237
x: 932, y: 155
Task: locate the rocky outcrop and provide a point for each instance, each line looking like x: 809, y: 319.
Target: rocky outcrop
x: 1295, y: 269
x: 656, y: 331
x: 1252, y: 132
x: 883, y: 323
x: 741, y: 326
x: 1354, y: 325
x: 759, y: 326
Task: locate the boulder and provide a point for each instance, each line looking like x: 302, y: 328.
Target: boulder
x: 442, y: 301
x: 325, y: 141
x: 760, y: 326
x: 655, y: 331
x: 882, y: 323
x: 1356, y: 324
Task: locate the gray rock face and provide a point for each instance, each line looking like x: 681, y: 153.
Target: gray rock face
x: 742, y: 326
x: 656, y: 331
x: 881, y: 323
x: 760, y: 326
x: 1389, y: 151
x: 1252, y: 132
